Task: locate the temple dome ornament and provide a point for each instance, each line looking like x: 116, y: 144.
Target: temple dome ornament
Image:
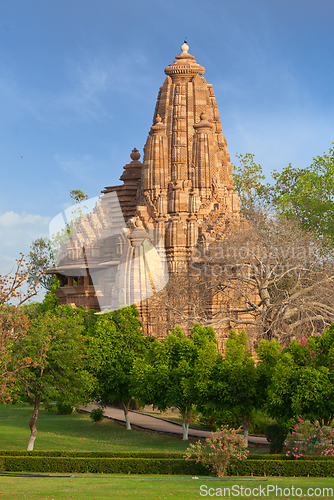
x: 135, y: 155
x: 184, y: 65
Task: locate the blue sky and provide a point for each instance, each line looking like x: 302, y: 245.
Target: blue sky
x: 79, y: 81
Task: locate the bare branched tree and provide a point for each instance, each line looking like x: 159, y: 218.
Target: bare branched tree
x: 266, y: 275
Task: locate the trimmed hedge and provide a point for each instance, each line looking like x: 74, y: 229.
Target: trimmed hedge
x: 140, y: 454
x: 159, y: 463
x: 284, y: 457
x: 102, y: 465
x: 287, y: 468
x: 92, y: 454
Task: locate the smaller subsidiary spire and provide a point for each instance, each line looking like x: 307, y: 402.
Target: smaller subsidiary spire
x: 132, y: 170
x: 203, y: 125
x: 135, y: 155
x: 158, y: 126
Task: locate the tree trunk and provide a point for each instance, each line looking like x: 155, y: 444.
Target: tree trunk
x: 246, y: 425
x: 185, y: 423
x: 126, y: 414
x: 32, y: 424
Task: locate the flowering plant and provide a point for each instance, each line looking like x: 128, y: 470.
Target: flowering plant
x: 310, y: 439
x: 219, y: 449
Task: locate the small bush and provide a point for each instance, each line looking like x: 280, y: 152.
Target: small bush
x: 259, y: 422
x: 51, y: 407
x: 276, y: 435
x: 97, y: 415
x: 64, y: 408
x: 310, y: 439
x: 219, y: 450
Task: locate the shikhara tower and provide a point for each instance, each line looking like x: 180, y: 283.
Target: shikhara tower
x: 186, y: 183
x: 182, y: 190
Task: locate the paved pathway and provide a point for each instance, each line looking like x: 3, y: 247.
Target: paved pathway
x: 158, y: 424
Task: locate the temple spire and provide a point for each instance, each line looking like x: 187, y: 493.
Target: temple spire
x: 185, y: 149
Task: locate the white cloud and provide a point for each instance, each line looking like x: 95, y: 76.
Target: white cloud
x: 17, y: 231
x: 14, y: 220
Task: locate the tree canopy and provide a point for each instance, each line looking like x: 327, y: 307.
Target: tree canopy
x: 55, y: 344
x: 116, y: 342
x: 303, y: 379
x: 15, y: 291
x: 234, y: 384
x: 305, y: 194
x: 175, y: 371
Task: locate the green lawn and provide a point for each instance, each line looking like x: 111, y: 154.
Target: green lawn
x: 77, y: 432
x: 109, y: 487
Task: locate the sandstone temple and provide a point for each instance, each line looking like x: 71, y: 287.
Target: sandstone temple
x: 178, y: 197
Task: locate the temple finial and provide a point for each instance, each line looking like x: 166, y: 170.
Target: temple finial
x: 135, y: 155
x: 185, y: 47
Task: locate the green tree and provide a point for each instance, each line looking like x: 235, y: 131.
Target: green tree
x: 303, y: 380
x: 235, y: 380
x: 267, y: 353
x: 78, y: 196
x: 307, y: 195
x: 116, y: 343
x: 58, y: 239
x: 40, y: 260
x: 56, y: 346
x: 248, y: 180
x: 14, y: 323
x: 176, y: 371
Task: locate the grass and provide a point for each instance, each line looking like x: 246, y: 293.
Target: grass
x: 109, y: 487
x: 77, y: 432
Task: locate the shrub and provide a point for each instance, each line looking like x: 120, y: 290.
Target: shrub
x: 219, y: 450
x: 259, y: 422
x: 51, y: 407
x: 64, y: 408
x: 310, y: 439
x: 276, y: 435
x: 97, y: 415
